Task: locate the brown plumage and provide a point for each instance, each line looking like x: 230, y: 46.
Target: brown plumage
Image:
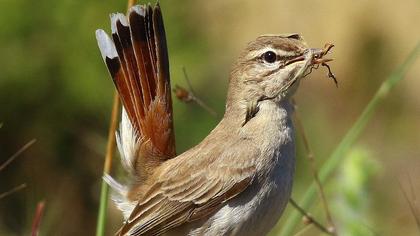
x: 237, y: 181
x: 141, y: 76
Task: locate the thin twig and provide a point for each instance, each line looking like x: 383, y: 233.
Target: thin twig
x: 311, y: 159
x: 411, y: 203
x: 110, y: 149
x: 189, y: 95
x: 410, y: 183
x: 187, y: 79
x: 37, y: 218
x: 13, y: 190
x: 310, y: 218
x: 20, y: 151
x: 196, y: 99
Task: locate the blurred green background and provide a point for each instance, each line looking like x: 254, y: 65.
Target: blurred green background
x: 54, y: 87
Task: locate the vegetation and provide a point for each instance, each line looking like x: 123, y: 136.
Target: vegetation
x: 55, y: 88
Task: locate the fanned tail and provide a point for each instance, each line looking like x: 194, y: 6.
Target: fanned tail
x: 137, y: 60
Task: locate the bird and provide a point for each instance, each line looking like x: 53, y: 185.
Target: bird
x: 238, y: 179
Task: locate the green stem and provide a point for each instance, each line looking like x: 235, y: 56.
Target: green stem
x: 349, y: 139
x: 100, y: 226
x: 110, y: 149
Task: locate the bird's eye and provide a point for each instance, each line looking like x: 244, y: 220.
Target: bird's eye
x: 269, y: 57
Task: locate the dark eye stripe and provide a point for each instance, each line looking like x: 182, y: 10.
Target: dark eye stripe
x: 286, y: 58
x: 278, y: 57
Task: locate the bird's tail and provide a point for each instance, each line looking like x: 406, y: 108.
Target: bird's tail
x: 136, y: 56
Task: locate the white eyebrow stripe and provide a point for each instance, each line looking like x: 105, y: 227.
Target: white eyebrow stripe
x: 258, y: 53
x: 278, y: 51
x: 285, y: 53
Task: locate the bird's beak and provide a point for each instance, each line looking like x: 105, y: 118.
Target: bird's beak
x: 311, y: 57
x: 317, y: 57
x: 296, y: 59
x: 319, y: 53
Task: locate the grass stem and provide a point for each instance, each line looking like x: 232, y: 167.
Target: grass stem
x: 350, y: 138
x: 110, y: 149
x: 311, y: 159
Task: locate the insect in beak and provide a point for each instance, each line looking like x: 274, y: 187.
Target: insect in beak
x: 318, y: 59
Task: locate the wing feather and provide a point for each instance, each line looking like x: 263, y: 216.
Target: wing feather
x: 137, y: 59
x: 194, y: 196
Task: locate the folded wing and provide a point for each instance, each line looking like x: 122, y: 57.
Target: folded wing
x: 179, y: 197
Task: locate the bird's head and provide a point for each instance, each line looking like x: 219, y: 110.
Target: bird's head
x: 271, y: 67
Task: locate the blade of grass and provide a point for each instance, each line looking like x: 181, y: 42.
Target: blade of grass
x: 349, y: 139
x: 110, y: 149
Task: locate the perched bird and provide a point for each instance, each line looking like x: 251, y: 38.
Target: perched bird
x: 238, y: 180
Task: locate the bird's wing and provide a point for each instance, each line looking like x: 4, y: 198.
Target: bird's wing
x: 181, y: 196
x: 137, y: 59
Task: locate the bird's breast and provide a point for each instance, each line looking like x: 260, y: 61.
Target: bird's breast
x: 256, y: 210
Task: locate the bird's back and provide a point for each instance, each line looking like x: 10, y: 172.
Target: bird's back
x: 256, y: 210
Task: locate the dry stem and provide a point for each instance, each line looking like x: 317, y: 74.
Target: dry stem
x: 310, y: 219
x: 13, y: 190
x: 411, y: 202
x: 20, y: 151
x: 311, y: 159
x: 130, y: 3
x: 110, y: 148
x: 189, y: 95
x: 37, y: 218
